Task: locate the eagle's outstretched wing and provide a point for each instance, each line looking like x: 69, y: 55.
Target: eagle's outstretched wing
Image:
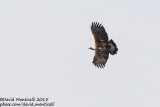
x: 99, y: 33
x: 100, y: 58
x: 101, y: 43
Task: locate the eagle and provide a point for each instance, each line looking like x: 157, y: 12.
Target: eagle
x: 103, y: 47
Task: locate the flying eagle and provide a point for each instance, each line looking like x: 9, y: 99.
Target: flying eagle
x: 102, y: 46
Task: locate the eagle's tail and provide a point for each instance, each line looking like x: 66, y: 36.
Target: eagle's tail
x: 113, y: 47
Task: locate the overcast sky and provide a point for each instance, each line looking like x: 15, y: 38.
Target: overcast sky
x: 44, y: 52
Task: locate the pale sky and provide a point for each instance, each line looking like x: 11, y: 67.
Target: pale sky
x: 44, y: 52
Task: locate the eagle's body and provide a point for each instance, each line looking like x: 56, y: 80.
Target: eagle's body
x: 102, y: 46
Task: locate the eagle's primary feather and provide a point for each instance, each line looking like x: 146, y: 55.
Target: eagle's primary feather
x: 102, y: 46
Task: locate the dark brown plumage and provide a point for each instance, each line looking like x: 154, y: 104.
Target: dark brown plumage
x: 102, y: 46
